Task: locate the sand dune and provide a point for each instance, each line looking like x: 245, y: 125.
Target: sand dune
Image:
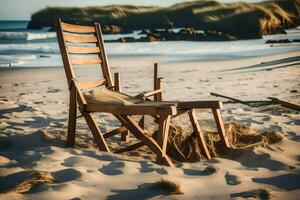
x: 35, y: 164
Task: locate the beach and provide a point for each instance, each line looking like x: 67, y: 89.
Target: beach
x: 33, y: 122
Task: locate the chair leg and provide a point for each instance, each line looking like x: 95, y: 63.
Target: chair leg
x: 138, y: 132
x: 162, y: 137
x: 125, y: 135
x: 142, y: 122
x: 199, y: 134
x: 72, y: 119
x: 220, y: 127
x: 100, y: 141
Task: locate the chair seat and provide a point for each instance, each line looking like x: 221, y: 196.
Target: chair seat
x: 120, y: 103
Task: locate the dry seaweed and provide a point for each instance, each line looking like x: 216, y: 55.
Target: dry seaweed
x: 184, y: 148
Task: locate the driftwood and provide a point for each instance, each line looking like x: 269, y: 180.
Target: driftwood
x: 285, y: 103
x: 254, y: 103
x: 231, y: 98
x: 272, y: 101
x: 248, y: 103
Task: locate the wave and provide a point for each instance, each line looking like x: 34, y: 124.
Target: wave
x: 35, y: 48
x: 26, y: 35
x: 15, y: 60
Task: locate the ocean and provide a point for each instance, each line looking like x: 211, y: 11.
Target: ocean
x: 21, y: 47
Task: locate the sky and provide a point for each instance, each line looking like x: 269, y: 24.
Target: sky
x: 22, y: 9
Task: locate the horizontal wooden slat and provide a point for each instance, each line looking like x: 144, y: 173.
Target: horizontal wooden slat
x: 91, y: 84
x: 77, y: 28
x: 131, y: 147
x: 80, y: 39
x: 115, y: 132
x: 77, y: 49
x: 199, y: 104
x: 132, y: 109
x: 82, y: 61
x: 150, y: 93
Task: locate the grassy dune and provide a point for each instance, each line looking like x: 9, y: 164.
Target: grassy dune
x: 243, y: 20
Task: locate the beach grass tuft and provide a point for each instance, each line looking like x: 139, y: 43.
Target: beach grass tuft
x: 168, y: 186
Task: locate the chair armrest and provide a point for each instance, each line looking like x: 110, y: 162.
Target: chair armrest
x: 144, y: 95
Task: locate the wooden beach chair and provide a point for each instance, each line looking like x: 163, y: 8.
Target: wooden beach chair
x: 75, y: 42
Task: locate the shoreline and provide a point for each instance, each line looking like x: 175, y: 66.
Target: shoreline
x: 167, y: 59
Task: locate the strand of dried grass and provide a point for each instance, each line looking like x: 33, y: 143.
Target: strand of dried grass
x: 35, y: 178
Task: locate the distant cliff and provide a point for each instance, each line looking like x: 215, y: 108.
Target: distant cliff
x: 241, y: 20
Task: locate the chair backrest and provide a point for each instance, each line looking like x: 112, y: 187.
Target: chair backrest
x: 83, y: 45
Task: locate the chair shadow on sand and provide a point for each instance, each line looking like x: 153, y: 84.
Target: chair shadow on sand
x: 143, y: 191
x: 34, y: 122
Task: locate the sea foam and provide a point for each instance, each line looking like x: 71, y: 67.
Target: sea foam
x: 26, y: 35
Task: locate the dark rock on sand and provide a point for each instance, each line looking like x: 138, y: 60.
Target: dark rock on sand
x: 278, y: 41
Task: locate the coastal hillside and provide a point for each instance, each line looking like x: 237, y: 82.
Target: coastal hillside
x: 241, y: 20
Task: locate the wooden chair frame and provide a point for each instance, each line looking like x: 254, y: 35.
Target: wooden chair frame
x: 162, y: 111
x: 122, y: 113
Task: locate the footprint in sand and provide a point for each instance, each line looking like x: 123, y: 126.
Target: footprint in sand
x: 255, y: 194
x: 113, y: 168
x: 66, y: 175
x: 275, y: 128
x: 194, y: 172
x: 148, y: 167
x: 232, y: 179
x: 266, y: 118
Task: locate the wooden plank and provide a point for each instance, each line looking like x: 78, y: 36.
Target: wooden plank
x: 80, y: 39
x: 138, y: 132
x: 105, y: 67
x: 155, y: 80
x: 220, y: 127
x: 90, y: 84
x: 117, y: 82
x: 99, y: 139
x: 72, y: 117
x: 231, y: 98
x: 132, y: 109
x: 124, y: 134
x: 253, y: 103
x: 131, y: 147
x: 84, y: 50
x: 159, y: 87
x: 115, y: 132
x: 142, y: 122
x: 199, y: 104
x: 162, y: 136
x: 85, y: 61
x: 64, y: 53
x: 77, y: 28
x: 151, y: 93
x: 199, y: 134
x: 285, y: 103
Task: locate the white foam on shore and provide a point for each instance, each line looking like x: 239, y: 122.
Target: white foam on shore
x: 26, y: 35
x: 15, y: 60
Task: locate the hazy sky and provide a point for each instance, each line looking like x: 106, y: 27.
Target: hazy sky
x: 22, y: 9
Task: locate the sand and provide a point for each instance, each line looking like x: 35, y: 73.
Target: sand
x: 35, y: 164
